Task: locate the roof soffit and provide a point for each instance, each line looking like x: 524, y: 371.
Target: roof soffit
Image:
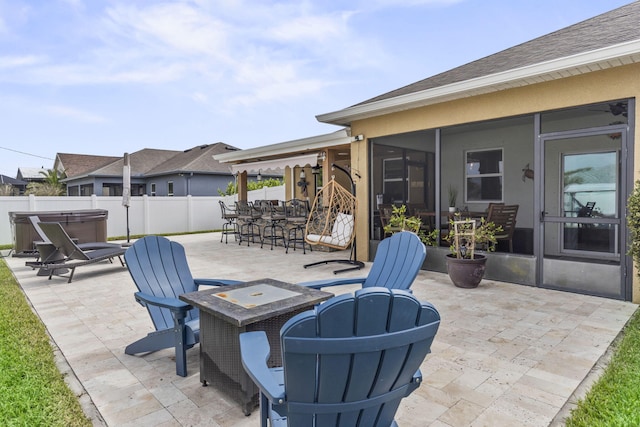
x: 289, y: 148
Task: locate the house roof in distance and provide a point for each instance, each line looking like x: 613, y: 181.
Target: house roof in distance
x: 11, y: 181
x: 197, y: 159
x: 31, y: 174
x: 152, y: 162
x: 80, y: 164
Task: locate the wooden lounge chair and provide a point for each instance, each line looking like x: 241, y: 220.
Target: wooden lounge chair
x: 348, y: 362
x: 396, y: 264
x: 160, y: 271
x: 62, y: 252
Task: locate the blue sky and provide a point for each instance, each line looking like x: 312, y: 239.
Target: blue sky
x: 106, y: 77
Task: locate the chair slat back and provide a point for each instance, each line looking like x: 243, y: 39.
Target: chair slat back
x: 504, y: 216
x: 354, y: 357
x: 397, y: 262
x: 35, y: 220
x: 159, y: 267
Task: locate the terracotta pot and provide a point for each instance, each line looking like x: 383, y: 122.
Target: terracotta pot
x: 466, y: 273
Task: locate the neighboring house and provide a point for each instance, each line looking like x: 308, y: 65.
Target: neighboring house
x: 548, y: 125
x: 158, y: 173
x: 18, y: 186
x: 70, y: 165
x: 31, y: 174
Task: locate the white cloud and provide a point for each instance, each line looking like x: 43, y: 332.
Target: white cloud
x: 316, y: 28
x: 245, y: 53
x: 20, y: 61
x: 73, y: 113
x: 179, y: 27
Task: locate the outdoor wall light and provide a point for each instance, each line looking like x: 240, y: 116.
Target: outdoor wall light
x: 259, y: 177
x: 302, y: 174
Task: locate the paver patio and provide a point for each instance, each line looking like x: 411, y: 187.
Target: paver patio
x: 505, y: 354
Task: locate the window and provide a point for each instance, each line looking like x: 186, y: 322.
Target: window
x: 169, y: 188
x: 484, y: 176
x: 153, y: 189
x: 395, y: 185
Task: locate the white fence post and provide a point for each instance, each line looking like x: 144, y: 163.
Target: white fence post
x: 147, y: 215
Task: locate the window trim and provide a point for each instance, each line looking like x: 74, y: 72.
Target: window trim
x: 170, y: 188
x: 484, y: 175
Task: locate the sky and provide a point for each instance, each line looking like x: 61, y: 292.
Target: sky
x: 105, y: 77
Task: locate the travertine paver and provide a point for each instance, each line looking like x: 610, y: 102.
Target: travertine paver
x: 505, y: 355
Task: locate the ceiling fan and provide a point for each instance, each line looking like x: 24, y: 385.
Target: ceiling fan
x: 616, y: 109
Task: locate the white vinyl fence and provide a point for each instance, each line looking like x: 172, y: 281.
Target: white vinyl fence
x: 147, y: 215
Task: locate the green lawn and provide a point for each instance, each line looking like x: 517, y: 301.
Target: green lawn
x: 615, y: 399
x: 32, y: 389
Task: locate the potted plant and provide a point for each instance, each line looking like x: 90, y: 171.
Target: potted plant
x: 465, y: 266
x: 399, y: 221
x: 453, y: 197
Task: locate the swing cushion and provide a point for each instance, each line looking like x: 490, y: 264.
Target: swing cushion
x: 340, y: 232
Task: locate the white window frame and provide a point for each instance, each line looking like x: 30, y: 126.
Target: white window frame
x: 169, y: 188
x: 153, y: 189
x: 499, y: 174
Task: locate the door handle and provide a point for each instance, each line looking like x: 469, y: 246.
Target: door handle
x: 542, y: 214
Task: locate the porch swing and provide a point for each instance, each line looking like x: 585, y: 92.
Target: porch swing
x: 331, y: 222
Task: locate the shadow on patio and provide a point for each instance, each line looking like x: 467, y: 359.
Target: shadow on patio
x: 505, y: 355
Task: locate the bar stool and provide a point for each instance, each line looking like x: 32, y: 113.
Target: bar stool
x: 296, y: 212
x: 273, y: 217
x: 230, y: 226
x: 248, y: 218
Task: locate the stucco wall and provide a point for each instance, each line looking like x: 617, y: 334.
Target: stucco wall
x: 617, y: 83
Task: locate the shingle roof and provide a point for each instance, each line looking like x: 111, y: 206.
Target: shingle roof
x: 81, y: 164
x: 610, y: 28
x: 31, y: 173
x: 149, y: 162
x: 8, y: 180
x: 197, y: 159
x: 141, y: 162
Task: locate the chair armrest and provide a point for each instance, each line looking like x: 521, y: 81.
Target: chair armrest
x: 172, y: 304
x: 216, y: 282
x: 317, y: 284
x: 254, y: 352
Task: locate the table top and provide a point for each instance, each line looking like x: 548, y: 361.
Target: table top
x: 254, y: 301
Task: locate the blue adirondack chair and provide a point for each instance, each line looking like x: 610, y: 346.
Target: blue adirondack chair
x: 395, y: 266
x: 160, y: 271
x: 352, y: 359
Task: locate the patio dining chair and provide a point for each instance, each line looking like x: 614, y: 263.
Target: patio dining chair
x: 348, y: 362
x: 505, y: 217
x: 161, y: 273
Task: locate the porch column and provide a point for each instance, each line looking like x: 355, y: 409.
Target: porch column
x: 242, y: 185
